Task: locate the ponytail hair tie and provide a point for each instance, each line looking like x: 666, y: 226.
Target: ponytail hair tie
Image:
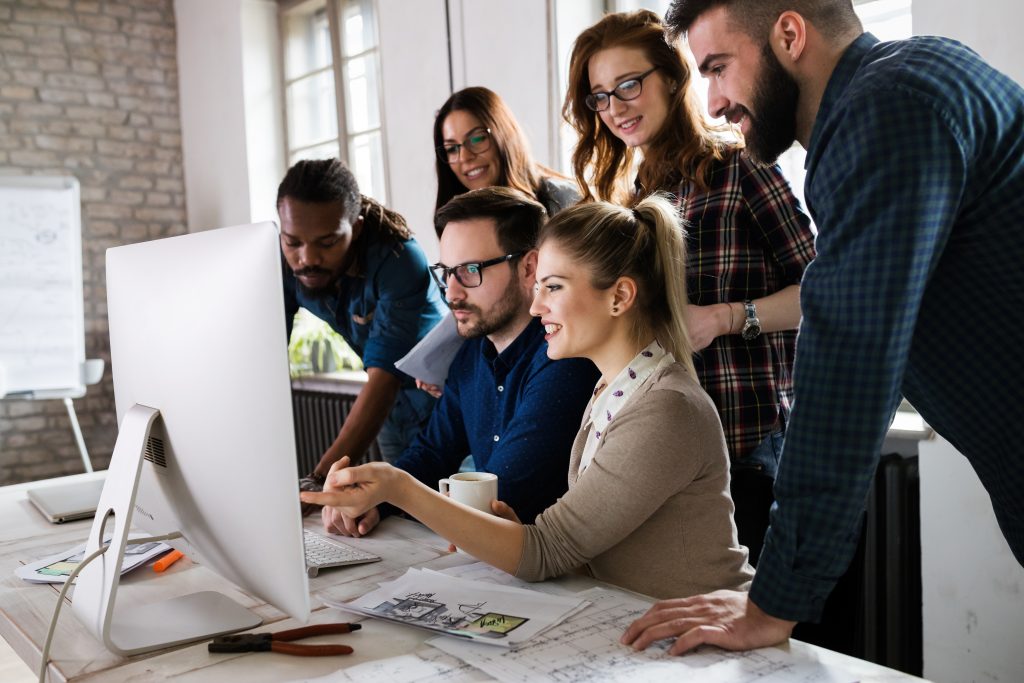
x: 639, y: 217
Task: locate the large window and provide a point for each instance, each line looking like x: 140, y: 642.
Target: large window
x: 332, y: 87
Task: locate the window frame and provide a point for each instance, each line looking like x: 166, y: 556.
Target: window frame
x: 334, y: 10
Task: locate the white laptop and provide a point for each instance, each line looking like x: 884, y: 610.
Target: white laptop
x: 67, y: 502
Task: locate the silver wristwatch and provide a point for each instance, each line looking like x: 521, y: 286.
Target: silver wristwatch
x: 751, y: 326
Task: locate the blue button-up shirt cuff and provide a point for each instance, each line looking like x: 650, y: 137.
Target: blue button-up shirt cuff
x: 786, y: 594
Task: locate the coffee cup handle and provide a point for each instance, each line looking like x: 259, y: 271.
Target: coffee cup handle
x: 442, y: 486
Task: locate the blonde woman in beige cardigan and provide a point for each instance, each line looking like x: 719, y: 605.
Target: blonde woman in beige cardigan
x: 648, y: 505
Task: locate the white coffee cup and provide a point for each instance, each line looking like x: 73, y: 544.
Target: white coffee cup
x: 475, y: 489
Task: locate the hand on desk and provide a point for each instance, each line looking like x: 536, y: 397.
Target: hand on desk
x: 337, y: 522
x: 724, y: 618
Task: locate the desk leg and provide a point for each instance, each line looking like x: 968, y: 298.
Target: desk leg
x: 78, y: 434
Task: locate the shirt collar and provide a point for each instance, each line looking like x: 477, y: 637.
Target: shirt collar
x: 844, y: 72
x: 615, y: 394
x: 513, y: 352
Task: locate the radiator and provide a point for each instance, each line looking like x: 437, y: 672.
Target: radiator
x: 318, y: 417
x: 874, y: 613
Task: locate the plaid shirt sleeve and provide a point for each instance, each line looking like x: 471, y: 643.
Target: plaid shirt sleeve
x: 785, y: 228
x: 886, y: 174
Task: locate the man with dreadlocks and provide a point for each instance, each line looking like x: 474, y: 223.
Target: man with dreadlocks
x: 354, y: 264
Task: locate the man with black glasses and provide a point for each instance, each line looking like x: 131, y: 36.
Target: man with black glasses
x: 504, y: 402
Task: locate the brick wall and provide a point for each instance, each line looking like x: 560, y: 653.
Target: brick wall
x: 90, y: 89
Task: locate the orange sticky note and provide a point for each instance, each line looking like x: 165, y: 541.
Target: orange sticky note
x: 167, y: 560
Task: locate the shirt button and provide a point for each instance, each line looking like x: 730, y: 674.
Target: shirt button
x: 496, y: 437
x: 501, y: 388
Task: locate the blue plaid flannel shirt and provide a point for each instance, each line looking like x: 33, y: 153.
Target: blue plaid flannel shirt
x: 915, y: 179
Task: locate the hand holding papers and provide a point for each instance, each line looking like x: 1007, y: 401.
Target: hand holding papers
x: 484, y: 612
x: 429, y: 360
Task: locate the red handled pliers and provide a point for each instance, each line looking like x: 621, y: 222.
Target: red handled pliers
x: 281, y: 641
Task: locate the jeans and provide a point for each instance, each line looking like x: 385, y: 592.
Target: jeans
x: 753, y: 479
x: 408, y: 416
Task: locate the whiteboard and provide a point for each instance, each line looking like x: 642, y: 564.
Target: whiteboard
x: 42, y: 327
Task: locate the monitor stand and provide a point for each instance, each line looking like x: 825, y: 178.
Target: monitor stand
x: 141, y: 628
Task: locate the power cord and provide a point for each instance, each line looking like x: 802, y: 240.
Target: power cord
x: 67, y: 585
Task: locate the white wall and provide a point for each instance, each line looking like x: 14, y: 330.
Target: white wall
x: 264, y: 107
x: 992, y: 28
x: 414, y: 70
x: 231, y: 120
x: 212, y: 112
x: 504, y: 46
x: 972, y: 587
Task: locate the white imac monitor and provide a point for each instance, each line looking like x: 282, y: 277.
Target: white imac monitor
x: 206, y: 443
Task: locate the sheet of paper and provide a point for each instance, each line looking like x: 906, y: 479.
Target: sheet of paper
x: 430, y: 666
x: 430, y: 359
x: 481, y: 571
x: 586, y: 648
x: 485, y: 612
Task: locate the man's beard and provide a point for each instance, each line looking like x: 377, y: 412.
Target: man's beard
x: 773, y: 126
x: 508, y: 307
x: 318, y: 293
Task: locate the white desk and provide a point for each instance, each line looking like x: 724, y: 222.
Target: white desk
x: 25, y: 609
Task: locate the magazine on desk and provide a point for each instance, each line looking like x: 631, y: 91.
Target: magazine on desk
x: 57, y: 567
x: 474, y: 610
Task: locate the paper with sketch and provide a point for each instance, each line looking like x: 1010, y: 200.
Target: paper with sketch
x: 586, y: 648
x: 484, y: 612
x: 430, y: 359
x: 58, y: 567
x: 428, y: 666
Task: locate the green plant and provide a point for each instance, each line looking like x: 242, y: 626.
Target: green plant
x: 315, y: 347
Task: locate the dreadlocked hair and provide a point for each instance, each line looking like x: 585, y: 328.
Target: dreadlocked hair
x: 328, y: 180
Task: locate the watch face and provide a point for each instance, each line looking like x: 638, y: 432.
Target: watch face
x: 751, y: 330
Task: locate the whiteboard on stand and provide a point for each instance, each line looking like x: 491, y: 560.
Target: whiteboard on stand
x: 42, y: 327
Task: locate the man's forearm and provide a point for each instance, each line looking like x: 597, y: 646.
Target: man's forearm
x: 364, y: 421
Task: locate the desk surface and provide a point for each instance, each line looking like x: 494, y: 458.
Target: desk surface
x: 25, y: 609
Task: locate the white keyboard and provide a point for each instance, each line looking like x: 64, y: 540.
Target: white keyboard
x: 322, y: 552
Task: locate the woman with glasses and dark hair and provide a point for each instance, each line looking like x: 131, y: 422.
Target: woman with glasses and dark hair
x: 631, y: 101
x: 479, y: 144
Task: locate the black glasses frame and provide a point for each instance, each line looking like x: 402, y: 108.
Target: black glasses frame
x: 446, y: 272
x: 442, y: 150
x: 595, y: 99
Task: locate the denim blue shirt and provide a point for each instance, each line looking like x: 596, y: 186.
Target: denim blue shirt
x: 516, y: 412
x: 915, y: 178
x: 381, y: 311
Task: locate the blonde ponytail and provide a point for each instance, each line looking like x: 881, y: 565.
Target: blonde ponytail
x: 658, y: 213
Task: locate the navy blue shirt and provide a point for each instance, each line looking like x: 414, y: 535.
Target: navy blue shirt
x: 915, y: 178
x: 516, y: 412
x: 382, y: 309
